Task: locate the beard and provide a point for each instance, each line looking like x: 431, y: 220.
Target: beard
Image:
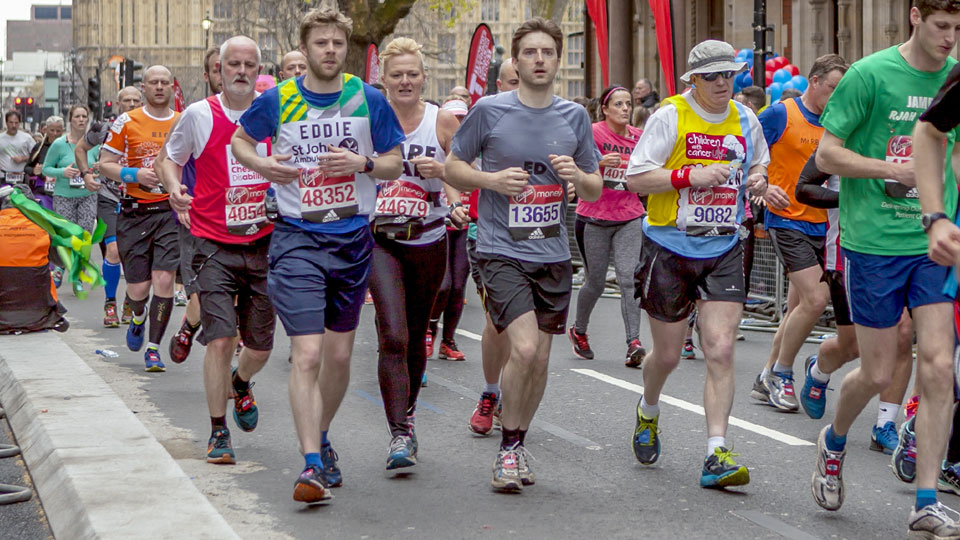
x: 321, y: 72
x: 241, y: 90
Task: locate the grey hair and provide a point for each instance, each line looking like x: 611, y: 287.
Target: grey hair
x: 54, y: 120
x: 238, y: 40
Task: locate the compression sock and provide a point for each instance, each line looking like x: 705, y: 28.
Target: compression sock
x: 239, y: 384
x: 510, y: 438
x: 139, y: 309
x: 160, y: 310
x: 111, y: 274
x: 218, y: 422
x: 523, y: 436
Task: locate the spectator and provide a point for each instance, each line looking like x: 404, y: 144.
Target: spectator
x: 644, y: 95
x: 790, y: 93
x: 753, y: 97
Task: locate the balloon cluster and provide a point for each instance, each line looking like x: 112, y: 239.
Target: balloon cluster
x: 780, y: 75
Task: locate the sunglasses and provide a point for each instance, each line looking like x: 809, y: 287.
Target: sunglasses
x: 710, y: 77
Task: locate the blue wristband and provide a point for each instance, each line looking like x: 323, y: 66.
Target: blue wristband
x: 129, y: 175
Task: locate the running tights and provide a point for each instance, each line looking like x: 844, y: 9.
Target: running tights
x: 953, y: 450
x: 453, y: 289
x: 598, y: 242
x: 404, y: 281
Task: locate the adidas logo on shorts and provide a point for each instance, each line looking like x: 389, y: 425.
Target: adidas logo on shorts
x: 331, y: 216
x: 537, y: 234
x: 619, y: 187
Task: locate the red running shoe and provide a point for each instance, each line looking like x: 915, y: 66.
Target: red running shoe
x: 449, y: 351
x: 181, y: 342
x: 581, y: 347
x: 429, y: 343
x: 481, y: 422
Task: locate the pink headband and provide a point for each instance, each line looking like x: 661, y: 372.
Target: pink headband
x: 612, y: 91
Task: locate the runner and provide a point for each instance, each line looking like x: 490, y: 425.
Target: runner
x: 146, y: 229
x: 611, y: 226
x: 15, y: 146
x: 327, y: 125
x: 294, y: 64
x: 462, y: 93
x: 689, y: 162
x: 211, y: 74
x: 868, y: 143
x: 409, y: 254
x: 70, y: 199
x: 522, y: 247
x: 792, y: 130
x: 108, y: 197
x: 227, y: 220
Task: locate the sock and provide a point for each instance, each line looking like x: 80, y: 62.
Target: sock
x: 218, y: 422
x: 510, y: 438
x: 818, y: 375
x: 715, y: 442
x: 138, y: 307
x: 160, y: 310
x: 688, y: 341
x: 192, y: 326
x: 239, y: 384
x: 648, y: 410
x: 152, y: 345
x: 834, y: 442
x: 492, y: 389
x: 926, y: 497
x: 111, y: 274
x: 323, y: 439
x: 523, y: 436
x: 887, y: 412
x: 764, y: 373
x: 312, y: 458
x: 580, y: 330
x: 778, y: 368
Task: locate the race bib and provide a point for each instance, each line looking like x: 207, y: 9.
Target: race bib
x: 402, y: 198
x: 465, y: 201
x: 49, y: 184
x: 244, y: 210
x: 76, y: 182
x: 324, y: 199
x: 899, y: 150
x: 711, y: 211
x: 14, y: 177
x: 615, y: 178
x: 535, y: 214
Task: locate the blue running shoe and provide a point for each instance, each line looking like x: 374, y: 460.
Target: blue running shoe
x: 399, y: 455
x: 152, y: 360
x: 331, y: 473
x: 245, y: 411
x: 813, y: 397
x: 310, y: 486
x: 135, y: 335
x: 884, y: 438
x: 720, y: 470
x: 904, y: 460
x: 219, y: 449
x: 423, y: 380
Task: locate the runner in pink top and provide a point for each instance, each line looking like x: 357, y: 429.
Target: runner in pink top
x: 611, y: 225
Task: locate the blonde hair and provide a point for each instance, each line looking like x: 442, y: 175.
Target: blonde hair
x: 316, y: 18
x: 399, y: 47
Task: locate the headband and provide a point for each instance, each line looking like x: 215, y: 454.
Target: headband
x: 610, y: 93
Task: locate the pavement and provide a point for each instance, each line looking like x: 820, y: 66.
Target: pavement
x: 118, y: 453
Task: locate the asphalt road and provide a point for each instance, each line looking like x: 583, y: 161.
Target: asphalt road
x: 24, y: 520
x: 589, y: 485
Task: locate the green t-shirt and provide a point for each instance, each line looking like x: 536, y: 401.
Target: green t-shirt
x: 874, y: 110
x: 59, y: 157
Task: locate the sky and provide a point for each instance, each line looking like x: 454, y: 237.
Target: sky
x: 19, y: 10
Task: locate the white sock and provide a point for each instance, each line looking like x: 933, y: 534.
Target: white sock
x: 887, y: 412
x: 648, y: 410
x: 779, y: 368
x: 138, y: 319
x: 492, y: 388
x: 153, y: 346
x: 715, y: 442
x: 818, y: 375
x: 765, y: 372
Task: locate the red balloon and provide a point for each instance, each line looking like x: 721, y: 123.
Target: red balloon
x: 769, y: 78
x: 782, y: 61
x: 771, y: 64
x: 794, y: 70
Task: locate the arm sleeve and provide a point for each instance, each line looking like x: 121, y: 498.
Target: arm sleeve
x: 586, y: 155
x: 944, y: 112
x: 468, y: 139
x: 656, y: 142
x: 34, y: 153
x: 385, y: 127
x: 810, y: 190
x: 849, y: 105
x: 261, y: 120
x: 51, y: 162
x: 773, y: 119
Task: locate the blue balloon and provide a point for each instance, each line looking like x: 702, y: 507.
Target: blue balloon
x: 747, y: 79
x: 774, y: 91
x: 799, y: 82
x: 788, y: 84
x: 781, y: 76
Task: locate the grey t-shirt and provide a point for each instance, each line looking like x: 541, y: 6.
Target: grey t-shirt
x: 531, y: 226
x: 97, y: 134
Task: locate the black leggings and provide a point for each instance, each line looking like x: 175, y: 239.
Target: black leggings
x: 454, y: 287
x: 953, y: 449
x: 403, y: 282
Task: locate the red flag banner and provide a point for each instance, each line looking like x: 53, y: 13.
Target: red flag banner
x: 372, y: 74
x: 597, y: 9
x: 179, y: 103
x: 478, y: 63
x: 663, y: 20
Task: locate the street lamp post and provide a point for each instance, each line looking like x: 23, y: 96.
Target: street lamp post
x: 206, y: 23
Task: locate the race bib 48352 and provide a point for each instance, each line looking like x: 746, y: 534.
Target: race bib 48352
x: 327, y: 198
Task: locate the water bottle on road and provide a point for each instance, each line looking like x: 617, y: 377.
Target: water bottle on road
x: 107, y: 353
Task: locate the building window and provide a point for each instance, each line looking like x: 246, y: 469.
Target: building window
x: 66, y: 12
x: 575, y: 50
x: 575, y: 12
x: 490, y: 10
x: 575, y: 88
x: 222, y: 9
x: 447, y: 44
x: 219, y: 38
x: 46, y: 12
x: 444, y: 86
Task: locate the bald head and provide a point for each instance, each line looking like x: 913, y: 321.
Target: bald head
x: 129, y: 98
x: 507, y: 79
x: 294, y: 64
x: 157, y: 70
x: 461, y: 92
x: 157, y: 87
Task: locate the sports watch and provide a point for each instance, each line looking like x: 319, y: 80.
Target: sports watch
x: 368, y: 166
x: 927, y: 220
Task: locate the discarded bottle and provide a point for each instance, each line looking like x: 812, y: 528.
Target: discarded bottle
x: 107, y: 353
x: 270, y: 205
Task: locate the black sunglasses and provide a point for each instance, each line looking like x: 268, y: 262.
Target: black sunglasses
x: 710, y: 77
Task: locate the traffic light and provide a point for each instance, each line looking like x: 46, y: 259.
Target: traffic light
x: 108, y: 109
x: 93, y: 96
x: 130, y: 74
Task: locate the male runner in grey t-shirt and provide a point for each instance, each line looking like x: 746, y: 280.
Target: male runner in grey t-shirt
x: 533, y: 144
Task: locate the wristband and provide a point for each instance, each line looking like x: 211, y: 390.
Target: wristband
x: 680, y: 179
x: 129, y: 175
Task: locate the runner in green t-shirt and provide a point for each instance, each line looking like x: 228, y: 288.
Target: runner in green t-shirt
x: 869, y: 123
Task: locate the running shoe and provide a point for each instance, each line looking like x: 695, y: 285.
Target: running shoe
x: 759, y: 391
x: 181, y: 343
x: 904, y: 460
x: 949, y: 479
x: 57, y: 276
x: 399, y: 454
x: 527, y: 478
x: 741, y: 337
x: 331, y: 472
x: 813, y: 397
x: 423, y: 380
x: 481, y: 422
x: 135, y: 335
x: 646, y: 438
x: 581, y: 347
x: 687, y: 353
x: 414, y: 445
x: 910, y: 409
x: 827, y: 481
x: 245, y: 411
x: 311, y: 486
x: 180, y: 298
x: 884, y: 439
x: 219, y: 449
x: 127, y: 314
x: 152, y: 360
x: 506, y: 470
x: 934, y: 522
x: 449, y: 351
x: 635, y: 354
x: 110, y: 319
x: 720, y: 470
x: 780, y: 387
x: 497, y: 414
x: 428, y: 340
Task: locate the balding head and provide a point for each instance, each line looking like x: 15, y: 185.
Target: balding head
x: 507, y: 79
x: 239, y: 43
x: 462, y: 92
x: 239, y: 66
x: 157, y: 86
x: 129, y: 98
x: 294, y: 64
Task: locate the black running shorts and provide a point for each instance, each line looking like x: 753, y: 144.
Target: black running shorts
x: 147, y: 242
x: 796, y: 250
x: 838, y: 297
x: 513, y: 287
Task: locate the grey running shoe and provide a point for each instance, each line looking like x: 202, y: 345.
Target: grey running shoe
x: 904, y: 459
x: 949, y: 480
x: 827, y: 482
x: 934, y: 522
x: 780, y: 387
x: 527, y: 477
x: 759, y: 391
x: 506, y: 470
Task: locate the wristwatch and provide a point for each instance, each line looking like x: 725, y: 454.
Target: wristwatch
x: 454, y: 206
x: 368, y: 166
x: 927, y: 220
